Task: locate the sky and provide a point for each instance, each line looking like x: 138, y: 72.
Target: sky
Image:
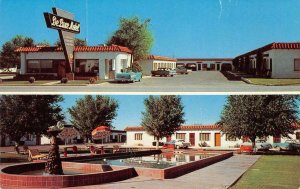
x: 199, y: 109
x: 181, y: 28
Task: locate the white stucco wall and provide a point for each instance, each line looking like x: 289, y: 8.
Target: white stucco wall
x: 208, y: 62
x: 283, y: 63
x: 147, y: 139
x: 148, y: 65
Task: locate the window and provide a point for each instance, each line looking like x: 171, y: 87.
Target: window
x: 40, y: 66
x: 86, y: 66
x: 297, y: 65
x: 204, y: 136
x: 298, y: 135
x: 138, y: 136
x: 228, y: 138
x: 180, y: 136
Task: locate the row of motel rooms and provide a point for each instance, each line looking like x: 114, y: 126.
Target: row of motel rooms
x: 137, y: 136
x: 198, y: 134
x: 278, y: 60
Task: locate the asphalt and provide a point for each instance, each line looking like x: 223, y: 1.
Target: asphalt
x: 217, y: 176
x: 209, y: 81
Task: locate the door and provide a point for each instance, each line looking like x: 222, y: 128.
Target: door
x: 199, y: 66
x: 192, y: 139
x: 111, y: 72
x: 168, y: 138
x: 218, y: 67
x: 61, y: 69
x: 217, y: 139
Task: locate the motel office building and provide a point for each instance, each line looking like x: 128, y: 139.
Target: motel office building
x: 275, y: 60
x: 88, y: 61
x: 197, y: 134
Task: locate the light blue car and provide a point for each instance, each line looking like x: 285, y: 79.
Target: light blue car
x: 128, y: 77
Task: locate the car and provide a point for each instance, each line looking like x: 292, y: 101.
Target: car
x: 289, y: 144
x: 178, y: 143
x: 181, y: 70
x: 128, y: 76
x: 163, y: 72
x: 259, y: 144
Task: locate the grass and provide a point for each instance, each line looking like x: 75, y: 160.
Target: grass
x: 272, y: 172
x: 12, y: 158
x: 267, y: 81
x: 12, y: 82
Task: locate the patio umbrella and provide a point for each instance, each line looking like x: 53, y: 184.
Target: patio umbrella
x: 101, y: 132
x: 68, y: 132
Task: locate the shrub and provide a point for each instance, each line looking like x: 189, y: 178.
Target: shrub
x: 31, y: 80
x: 92, y: 80
x: 64, y: 80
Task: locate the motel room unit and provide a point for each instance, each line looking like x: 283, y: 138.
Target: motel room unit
x: 196, y: 134
x: 275, y: 60
x: 88, y: 61
x: 206, y: 64
x: 153, y: 62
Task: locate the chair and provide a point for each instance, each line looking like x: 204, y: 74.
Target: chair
x: 116, y: 148
x: 34, y: 154
x: 94, y: 150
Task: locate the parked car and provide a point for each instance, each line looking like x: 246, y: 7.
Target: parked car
x: 163, y: 72
x: 289, y: 144
x: 128, y: 76
x: 259, y: 144
x: 181, y: 70
x: 178, y: 143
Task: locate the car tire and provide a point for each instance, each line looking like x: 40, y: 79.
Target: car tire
x: 172, y: 75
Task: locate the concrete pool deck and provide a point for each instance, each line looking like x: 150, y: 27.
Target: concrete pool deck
x: 219, y: 175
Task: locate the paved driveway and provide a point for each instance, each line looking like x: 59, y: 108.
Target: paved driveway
x: 210, y: 81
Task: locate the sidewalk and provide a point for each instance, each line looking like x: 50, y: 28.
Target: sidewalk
x: 219, y: 175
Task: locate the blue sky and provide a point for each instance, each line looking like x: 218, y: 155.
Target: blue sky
x: 181, y: 28
x: 199, y: 109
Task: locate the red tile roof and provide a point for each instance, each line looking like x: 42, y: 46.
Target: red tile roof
x: 204, y: 59
x: 111, y: 48
x: 275, y: 45
x: 182, y: 128
x: 154, y: 57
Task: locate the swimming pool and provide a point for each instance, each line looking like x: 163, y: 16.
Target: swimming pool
x: 157, y: 161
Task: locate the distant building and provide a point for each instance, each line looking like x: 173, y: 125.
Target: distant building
x: 88, y: 61
x: 153, y: 62
x: 275, y: 60
x: 206, y: 64
x: 196, y: 134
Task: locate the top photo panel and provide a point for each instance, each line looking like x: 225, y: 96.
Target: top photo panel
x: 164, y: 46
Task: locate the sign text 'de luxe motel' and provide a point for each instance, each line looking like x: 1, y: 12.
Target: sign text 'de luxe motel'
x: 57, y: 22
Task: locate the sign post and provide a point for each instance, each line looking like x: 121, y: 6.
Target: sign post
x: 63, y: 22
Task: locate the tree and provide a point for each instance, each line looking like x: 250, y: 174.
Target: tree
x: 10, y: 58
x: 21, y: 115
x: 135, y: 35
x: 163, y: 116
x: 259, y: 116
x: 77, y: 42
x: 43, y: 43
x: 90, y: 112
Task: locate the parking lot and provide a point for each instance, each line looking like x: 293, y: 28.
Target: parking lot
x: 209, y: 81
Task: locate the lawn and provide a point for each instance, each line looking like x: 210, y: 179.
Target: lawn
x: 12, y: 82
x: 267, y: 81
x: 273, y: 171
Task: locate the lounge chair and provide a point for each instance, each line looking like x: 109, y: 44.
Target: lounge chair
x: 34, y: 154
x: 116, y: 148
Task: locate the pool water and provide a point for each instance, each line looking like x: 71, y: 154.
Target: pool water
x: 158, y: 161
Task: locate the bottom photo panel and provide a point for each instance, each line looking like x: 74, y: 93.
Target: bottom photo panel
x: 142, y: 141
